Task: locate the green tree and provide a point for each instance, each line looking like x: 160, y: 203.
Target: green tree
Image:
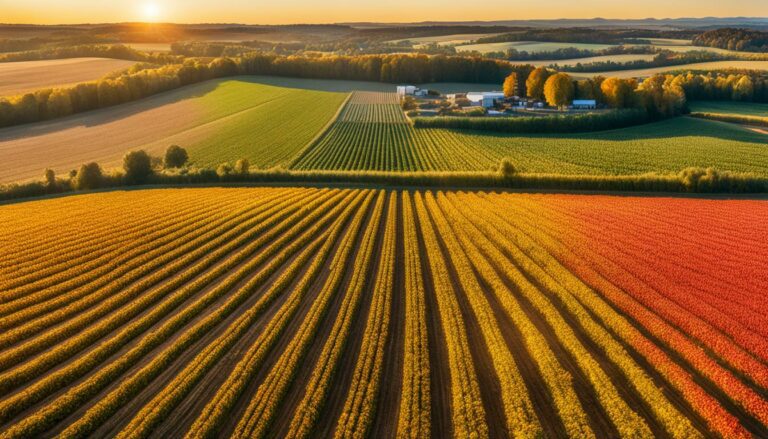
x: 506, y: 167
x: 59, y: 103
x: 559, y: 90
x: 535, y: 83
x: 51, y: 185
x: 224, y: 170
x: 744, y: 89
x: 137, y: 166
x: 89, y: 176
x: 175, y: 157
x: 242, y: 166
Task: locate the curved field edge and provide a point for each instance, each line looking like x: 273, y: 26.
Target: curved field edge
x: 593, y: 324
x: 216, y: 121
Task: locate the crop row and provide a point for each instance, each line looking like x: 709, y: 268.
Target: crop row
x: 261, y: 409
x: 361, y: 398
x: 539, y: 314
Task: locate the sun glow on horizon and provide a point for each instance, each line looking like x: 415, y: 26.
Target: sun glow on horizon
x: 150, y: 12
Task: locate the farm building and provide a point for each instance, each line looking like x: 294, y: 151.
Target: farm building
x: 410, y: 90
x: 485, y: 99
x: 584, y: 104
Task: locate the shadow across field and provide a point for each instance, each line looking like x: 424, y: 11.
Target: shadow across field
x: 110, y: 114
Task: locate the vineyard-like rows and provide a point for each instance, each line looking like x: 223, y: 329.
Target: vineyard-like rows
x: 372, y: 133
x: 309, y: 312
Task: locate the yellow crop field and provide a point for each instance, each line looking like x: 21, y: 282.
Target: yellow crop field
x: 369, y: 312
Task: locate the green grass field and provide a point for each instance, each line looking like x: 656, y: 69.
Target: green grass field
x: 372, y: 134
x: 266, y: 124
x: 727, y: 107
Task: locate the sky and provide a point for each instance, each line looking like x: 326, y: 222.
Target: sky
x: 335, y: 11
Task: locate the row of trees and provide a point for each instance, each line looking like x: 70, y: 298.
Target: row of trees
x: 138, y: 167
x: 115, y: 51
x: 584, y: 35
x: 513, y: 54
x: 744, y: 40
x: 563, y: 123
x: 661, y: 95
x: 140, y: 81
x: 662, y: 59
x: 133, y: 84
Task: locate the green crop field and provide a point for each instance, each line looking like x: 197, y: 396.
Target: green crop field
x: 727, y: 107
x: 373, y: 134
x: 263, y: 119
x: 267, y: 124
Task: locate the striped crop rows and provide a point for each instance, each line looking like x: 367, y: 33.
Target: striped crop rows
x: 309, y: 312
x: 373, y: 134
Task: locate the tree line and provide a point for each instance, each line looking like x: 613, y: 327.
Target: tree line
x: 662, y: 59
x: 586, y: 35
x: 140, y: 82
x: 573, y: 123
x: 743, y: 40
x: 135, y: 83
x: 115, y: 51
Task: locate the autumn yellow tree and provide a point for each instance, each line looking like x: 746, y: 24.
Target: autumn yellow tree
x: 510, y: 85
x: 535, y: 83
x: 619, y: 93
x: 559, y: 90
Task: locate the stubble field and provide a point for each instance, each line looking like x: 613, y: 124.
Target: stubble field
x: 28, y: 76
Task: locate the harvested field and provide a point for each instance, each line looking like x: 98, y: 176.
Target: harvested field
x: 216, y: 121
x: 624, y: 58
x: 372, y: 133
x: 445, y: 40
x: 27, y: 76
x: 304, y: 312
x: 150, y: 47
x: 529, y: 46
x: 644, y: 73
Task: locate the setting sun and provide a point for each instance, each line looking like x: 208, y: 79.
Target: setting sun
x: 150, y: 11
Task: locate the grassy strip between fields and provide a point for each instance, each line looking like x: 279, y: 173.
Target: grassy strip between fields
x: 689, y: 180
x: 733, y: 118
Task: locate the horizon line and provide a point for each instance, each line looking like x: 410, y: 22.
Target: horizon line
x: 426, y: 22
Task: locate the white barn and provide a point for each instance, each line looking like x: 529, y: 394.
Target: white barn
x: 485, y: 99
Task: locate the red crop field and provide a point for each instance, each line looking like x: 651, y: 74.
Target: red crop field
x: 306, y: 312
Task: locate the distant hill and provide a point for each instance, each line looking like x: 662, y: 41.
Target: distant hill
x: 654, y: 23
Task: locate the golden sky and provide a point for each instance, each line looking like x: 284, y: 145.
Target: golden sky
x: 330, y: 11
